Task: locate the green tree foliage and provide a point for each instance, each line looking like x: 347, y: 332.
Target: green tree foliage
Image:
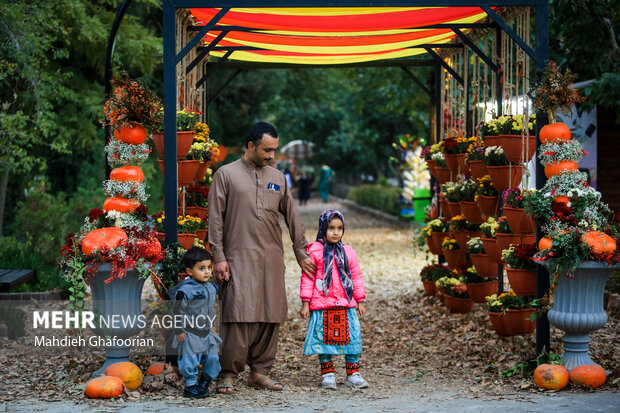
x: 52, y: 56
x: 352, y: 115
x: 584, y: 37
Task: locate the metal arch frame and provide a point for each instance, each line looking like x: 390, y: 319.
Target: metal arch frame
x: 540, y: 55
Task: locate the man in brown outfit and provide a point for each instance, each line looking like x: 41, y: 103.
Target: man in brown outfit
x: 246, y: 239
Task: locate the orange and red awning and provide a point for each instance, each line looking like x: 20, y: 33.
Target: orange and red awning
x: 333, y: 35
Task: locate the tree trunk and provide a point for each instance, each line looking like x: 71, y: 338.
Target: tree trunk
x: 3, y: 185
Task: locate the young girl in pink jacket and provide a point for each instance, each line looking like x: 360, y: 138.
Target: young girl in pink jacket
x: 330, y: 302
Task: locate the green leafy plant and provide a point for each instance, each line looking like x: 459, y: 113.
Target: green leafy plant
x: 485, y: 187
x: 520, y: 256
x: 502, y: 226
x: 495, y: 156
x: 475, y: 246
x: 434, y: 272
x: 458, y: 223
x: 468, y: 189
x: 489, y: 228
x: 450, y: 244
x: 526, y: 368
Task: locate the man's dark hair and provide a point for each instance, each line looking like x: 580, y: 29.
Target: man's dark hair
x: 257, y: 130
x: 194, y: 255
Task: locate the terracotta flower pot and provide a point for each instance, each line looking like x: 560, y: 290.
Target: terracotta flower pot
x: 518, y: 321
x: 444, y: 208
x: 442, y: 175
x: 522, y: 282
x: 463, y: 168
x: 201, y: 234
x: 490, y: 246
x: 430, y: 288
x: 186, y: 240
x: 478, y: 169
x: 161, y: 236
x: 186, y: 171
x: 431, y: 246
x: 472, y: 212
x: 518, y: 221
x: 479, y: 291
x: 488, y: 205
x: 491, y: 140
x: 201, y: 171
x: 461, y: 238
x: 454, y: 258
x: 454, y: 207
x: 515, y: 146
x: 437, y: 239
x: 504, y: 177
x: 504, y: 240
x: 459, y: 305
x: 453, y: 163
x: 431, y: 167
x: 498, y: 322
x: 184, y: 142
x: 483, y: 265
x: 195, y: 211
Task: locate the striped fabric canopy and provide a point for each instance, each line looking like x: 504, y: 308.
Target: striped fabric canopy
x: 333, y: 35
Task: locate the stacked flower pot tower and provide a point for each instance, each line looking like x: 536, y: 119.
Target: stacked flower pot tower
x: 196, y: 152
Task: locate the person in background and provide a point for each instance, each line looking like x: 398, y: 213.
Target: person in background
x: 325, y: 178
x: 304, y: 183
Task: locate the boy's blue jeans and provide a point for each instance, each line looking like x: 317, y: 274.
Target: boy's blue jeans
x: 188, y: 366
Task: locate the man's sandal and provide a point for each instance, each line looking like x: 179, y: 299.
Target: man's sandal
x: 225, y: 386
x: 264, y: 382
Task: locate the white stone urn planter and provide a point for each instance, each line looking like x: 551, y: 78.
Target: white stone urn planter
x: 122, y: 297
x: 578, y: 310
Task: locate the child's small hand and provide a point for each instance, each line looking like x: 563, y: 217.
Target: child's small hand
x: 305, y: 310
x: 181, y: 337
x: 361, y: 309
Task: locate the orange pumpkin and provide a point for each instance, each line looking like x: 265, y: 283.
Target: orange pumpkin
x: 120, y: 204
x: 156, y: 368
x: 129, y: 373
x: 593, y: 376
x: 599, y: 242
x: 134, y: 135
x: 554, y: 132
x: 552, y: 169
x: 104, y: 387
x: 545, y: 243
x: 97, y: 239
x: 127, y: 173
x: 551, y: 377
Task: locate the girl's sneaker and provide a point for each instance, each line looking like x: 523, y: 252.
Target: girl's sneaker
x: 329, y: 381
x: 356, y: 381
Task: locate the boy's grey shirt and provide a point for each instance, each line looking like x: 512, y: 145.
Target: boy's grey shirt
x: 192, y: 298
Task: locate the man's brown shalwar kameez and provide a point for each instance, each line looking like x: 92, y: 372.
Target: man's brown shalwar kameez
x: 244, y: 230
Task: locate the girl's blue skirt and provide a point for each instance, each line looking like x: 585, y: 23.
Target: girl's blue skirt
x: 314, y: 338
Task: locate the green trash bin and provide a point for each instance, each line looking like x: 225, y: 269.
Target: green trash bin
x: 421, y: 199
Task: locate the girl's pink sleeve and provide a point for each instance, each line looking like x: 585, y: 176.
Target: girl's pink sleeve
x: 307, y: 285
x: 359, y: 293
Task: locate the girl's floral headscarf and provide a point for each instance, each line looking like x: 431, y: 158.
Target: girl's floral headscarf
x: 334, y: 251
